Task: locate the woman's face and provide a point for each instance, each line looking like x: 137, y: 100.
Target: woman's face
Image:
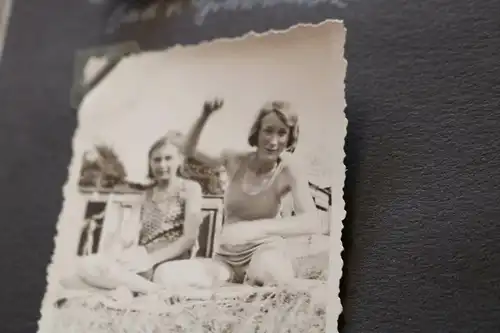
x: 273, y: 137
x: 164, y: 162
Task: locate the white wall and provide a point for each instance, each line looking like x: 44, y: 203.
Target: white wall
x: 148, y: 94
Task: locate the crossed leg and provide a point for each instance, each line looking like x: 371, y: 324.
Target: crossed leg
x: 271, y: 265
x: 102, y: 273
x: 197, y: 273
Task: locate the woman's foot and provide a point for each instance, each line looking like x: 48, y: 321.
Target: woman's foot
x: 74, y: 282
x: 122, y: 295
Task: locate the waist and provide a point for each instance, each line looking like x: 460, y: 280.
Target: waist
x: 250, y: 208
x: 232, y: 217
x: 226, y: 249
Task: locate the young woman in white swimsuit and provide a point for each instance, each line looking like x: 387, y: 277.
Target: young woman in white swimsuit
x: 252, y: 243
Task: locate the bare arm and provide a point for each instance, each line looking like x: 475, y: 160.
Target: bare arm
x: 305, y: 222
x: 189, y: 145
x: 193, y: 218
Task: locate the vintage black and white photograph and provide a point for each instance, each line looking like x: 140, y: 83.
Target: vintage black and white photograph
x: 205, y: 192
x: 5, y: 10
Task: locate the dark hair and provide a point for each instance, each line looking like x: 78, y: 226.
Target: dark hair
x: 285, y: 114
x: 162, y: 142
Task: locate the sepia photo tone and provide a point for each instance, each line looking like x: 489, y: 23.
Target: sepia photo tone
x: 205, y: 189
x: 5, y: 9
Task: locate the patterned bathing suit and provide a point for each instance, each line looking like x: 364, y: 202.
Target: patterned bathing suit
x: 163, y: 222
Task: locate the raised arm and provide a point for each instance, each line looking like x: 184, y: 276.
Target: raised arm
x: 188, y: 144
x: 305, y: 222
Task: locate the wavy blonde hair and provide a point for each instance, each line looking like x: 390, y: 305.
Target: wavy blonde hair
x: 160, y: 143
x: 286, y: 114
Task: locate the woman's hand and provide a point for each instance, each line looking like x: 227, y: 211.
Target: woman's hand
x: 210, y: 107
x: 241, y: 233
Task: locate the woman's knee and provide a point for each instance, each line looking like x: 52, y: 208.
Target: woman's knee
x: 271, y: 267
x: 91, y: 267
x: 167, y: 273
x: 190, y: 272
x: 219, y: 271
x: 72, y: 281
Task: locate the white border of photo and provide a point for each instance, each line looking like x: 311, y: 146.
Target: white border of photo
x: 66, y: 237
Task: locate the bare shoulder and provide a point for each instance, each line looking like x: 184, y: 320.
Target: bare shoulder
x: 234, y: 155
x: 233, y: 159
x: 293, y: 167
x: 291, y: 163
x: 192, y: 188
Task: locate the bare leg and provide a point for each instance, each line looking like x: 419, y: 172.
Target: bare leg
x: 75, y: 282
x: 103, y: 273
x: 272, y: 266
x: 198, y: 273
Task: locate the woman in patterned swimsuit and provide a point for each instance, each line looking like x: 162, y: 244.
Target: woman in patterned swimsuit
x: 252, y: 242
x: 170, y: 220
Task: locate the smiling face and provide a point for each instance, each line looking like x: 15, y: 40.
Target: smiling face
x: 273, y: 137
x: 164, y: 162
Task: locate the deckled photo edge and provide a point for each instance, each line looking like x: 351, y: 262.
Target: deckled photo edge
x: 334, y: 307
x: 5, y: 13
x: 64, y: 226
x: 77, y: 92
